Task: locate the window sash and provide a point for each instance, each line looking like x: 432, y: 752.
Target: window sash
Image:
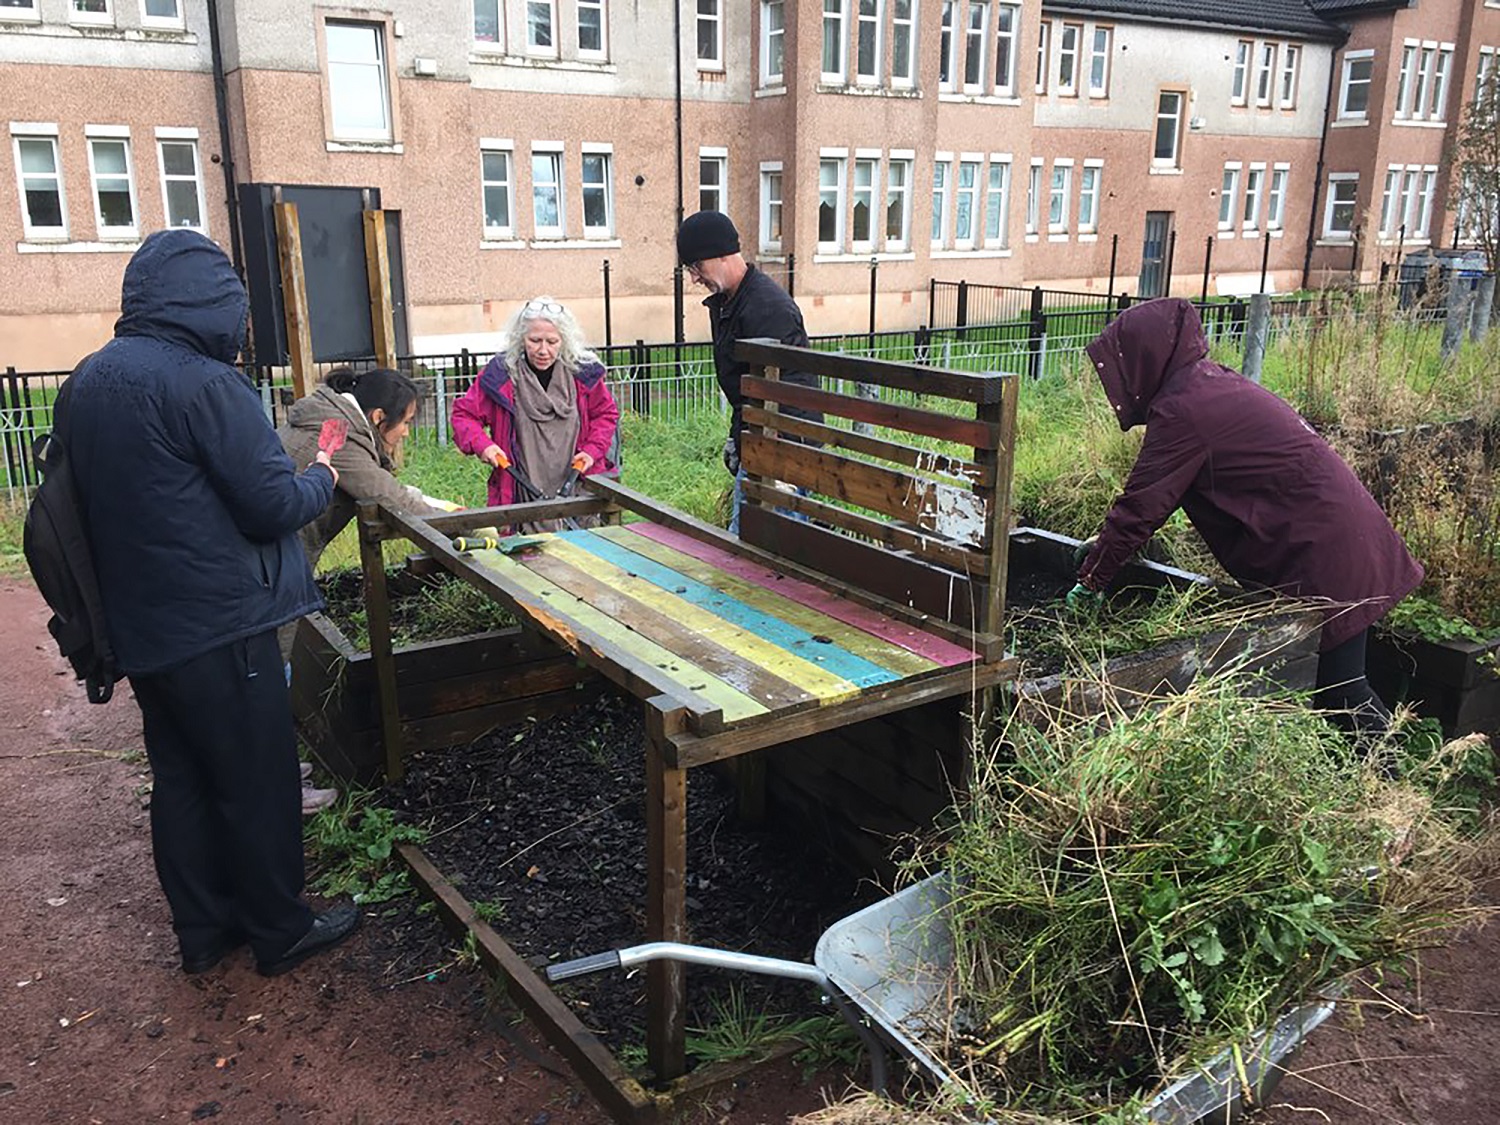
x: 90, y: 11
x: 710, y: 34
x: 114, y: 187
x: 488, y: 17
x: 358, y: 94
x: 1034, y: 199
x: 591, y: 23
x: 898, y: 205
x: 862, y: 203
x: 1044, y: 33
x: 44, y: 211
x: 1255, y: 179
x: 965, y: 199
x: 547, y: 194
x: 1291, y: 56
x: 903, y: 14
x: 1057, y: 201
x: 1437, y: 108
x: 772, y: 41
x: 1005, y: 49
x: 1168, y: 128
x: 867, y: 48
x: 1099, y: 62
x: 947, y: 47
x: 541, y: 19
x: 1239, y: 89
x: 770, y: 210
x: 712, y: 177
x: 941, y: 173
x: 1265, y: 74
x: 1229, y: 190
x: 181, y: 191
x: 598, y: 204
x: 1404, y: 80
x: 997, y: 205
x: 1067, y: 58
x: 1088, y: 199
x: 1276, y: 199
x: 1343, y: 197
x: 162, y: 13
x: 495, y: 186
x: 831, y: 203
x: 976, y: 49
x: 835, y: 41
x: 1354, y: 93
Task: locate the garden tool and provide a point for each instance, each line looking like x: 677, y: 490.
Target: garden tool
x: 490, y: 539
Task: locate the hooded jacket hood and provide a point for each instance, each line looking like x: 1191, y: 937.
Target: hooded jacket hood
x: 1140, y: 350
x: 179, y: 287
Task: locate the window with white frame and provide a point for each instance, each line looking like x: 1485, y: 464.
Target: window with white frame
x: 1483, y: 69
x: 90, y: 11
x: 831, y: 171
x: 541, y: 19
x: 947, y: 46
x: 1099, y: 47
x: 772, y: 42
x: 488, y: 25
x: 1229, y: 194
x: 1005, y: 49
x: 1088, y: 196
x: 976, y: 45
x: 965, y: 203
x: 903, y: 41
x: 1354, y: 85
x: 19, y: 10
x: 1255, y: 184
x: 867, y: 45
x: 1437, y: 105
x: 1239, y: 87
x: 1404, y: 78
x: 1067, y: 58
x: 1034, y: 196
x: 710, y: 35
x: 591, y: 42
x: 770, y: 208
x: 713, y: 179
x: 1166, y: 149
x: 1406, y: 205
x: 898, y: 202
x: 1343, y: 198
x: 114, y: 183
x: 1422, y: 87
x: 358, y: 91
x: 997, y: 202
x: 1043, y: 38
x: 1057, y: 197
x: 44, y: 213
x: 1276, y: 197
x: 835, y: 40
x: 598, y: 191
x: 181, y: 178
x: 862, y: 201
x: 1265, y: 74
x: 547, y: 191
x: 1424, y: 202
x: 161, y: 13
x: 1291, y: 61
x: 942, y: 199
x: 1389, y: 208
x: 497, y: 185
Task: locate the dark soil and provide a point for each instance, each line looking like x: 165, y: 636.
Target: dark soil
x: 545, y: 823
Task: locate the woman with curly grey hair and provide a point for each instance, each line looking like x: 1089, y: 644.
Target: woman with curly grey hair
x: 540, y: 405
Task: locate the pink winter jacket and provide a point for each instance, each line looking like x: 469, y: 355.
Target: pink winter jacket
x: 485, y: 415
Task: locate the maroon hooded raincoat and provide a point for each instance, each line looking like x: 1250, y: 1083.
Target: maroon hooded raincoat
x: 1276, y: 505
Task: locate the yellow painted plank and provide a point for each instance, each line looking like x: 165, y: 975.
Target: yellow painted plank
x: 773, y: 658
x: 855, y: 640
x: 734, y: 703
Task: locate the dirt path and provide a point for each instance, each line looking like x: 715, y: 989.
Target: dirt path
x: 101, y: 1027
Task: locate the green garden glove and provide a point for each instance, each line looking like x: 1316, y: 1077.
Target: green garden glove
x: 1081, y: 552
x: 1081, y: 599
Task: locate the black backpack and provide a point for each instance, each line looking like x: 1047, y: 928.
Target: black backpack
x: 57, y: 551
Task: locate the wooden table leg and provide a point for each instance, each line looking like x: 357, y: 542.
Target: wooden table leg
x: 382, y: 653
x: 666, y: 872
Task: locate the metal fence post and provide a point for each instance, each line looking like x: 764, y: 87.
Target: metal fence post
x: 1255, y: 336
x: 1036, y: 334
x: 1484, y: 301
x: 932, y: 300
x: 640, y: 374
x: 921, y: 344
x: 1114, y: 253
x: 874, y: 274
x: 1208, y: 261
x: 791, y: 275
x: 1166, y: 289
x: 961, y: 315
x: 1265, y: 258
x: 609, y: 335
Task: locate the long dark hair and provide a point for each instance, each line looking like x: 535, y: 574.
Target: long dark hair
x: 376, y: 388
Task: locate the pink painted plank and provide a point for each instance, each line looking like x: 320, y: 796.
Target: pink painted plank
x: 840, y: 609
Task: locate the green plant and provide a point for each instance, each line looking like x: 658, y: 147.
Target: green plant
x: 1419, y: 616
x: 350, y: 846
x: 490, y: 912
x: 12, y: 522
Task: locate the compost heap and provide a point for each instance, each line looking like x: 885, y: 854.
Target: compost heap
x: 1132, y: 901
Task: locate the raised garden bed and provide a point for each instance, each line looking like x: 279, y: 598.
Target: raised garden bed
x: 452, y: 690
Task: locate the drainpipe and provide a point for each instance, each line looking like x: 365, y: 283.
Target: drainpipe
x: 226, y: 150
x: 1312, y: 214
x: 677, y: 115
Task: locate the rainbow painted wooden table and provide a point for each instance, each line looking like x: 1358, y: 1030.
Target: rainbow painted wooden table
x: 868, y: 579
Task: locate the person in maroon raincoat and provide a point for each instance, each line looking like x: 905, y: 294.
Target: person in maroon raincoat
x: 1276, y: 505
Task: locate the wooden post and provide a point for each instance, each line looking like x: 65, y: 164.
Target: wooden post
x: 293, y: 292
x: 378, y: 272
x: 666, y: 875
x: 1003, y: 415
x: 382, y: 653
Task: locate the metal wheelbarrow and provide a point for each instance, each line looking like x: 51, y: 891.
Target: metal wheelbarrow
x: 889, y: 970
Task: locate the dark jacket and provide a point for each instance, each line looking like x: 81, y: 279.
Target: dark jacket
x: 757, y: 308
x: 192, y: 506
x: 1275, y: 504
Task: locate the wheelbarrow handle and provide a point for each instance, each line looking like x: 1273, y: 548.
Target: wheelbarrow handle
x: 583, y: 966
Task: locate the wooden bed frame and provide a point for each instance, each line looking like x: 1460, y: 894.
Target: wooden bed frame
x: 818, y: 616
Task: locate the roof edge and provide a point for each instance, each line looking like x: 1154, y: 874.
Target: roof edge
x: 1330, y: 33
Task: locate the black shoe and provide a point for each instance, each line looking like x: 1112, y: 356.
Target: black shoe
x: 196, y: 963
x: 327, y: 930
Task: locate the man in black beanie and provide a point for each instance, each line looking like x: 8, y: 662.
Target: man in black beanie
x: 743, y: 303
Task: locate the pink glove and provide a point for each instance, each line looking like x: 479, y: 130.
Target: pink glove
x: 332, y: 436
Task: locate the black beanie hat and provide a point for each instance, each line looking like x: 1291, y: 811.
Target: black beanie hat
x: 708, y: 234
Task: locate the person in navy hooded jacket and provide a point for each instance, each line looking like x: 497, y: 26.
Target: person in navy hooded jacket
x: 193, y: 509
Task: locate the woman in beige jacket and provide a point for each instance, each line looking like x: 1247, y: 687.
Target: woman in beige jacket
x: 378, y: 405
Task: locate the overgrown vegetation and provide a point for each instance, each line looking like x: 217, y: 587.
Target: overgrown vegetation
x: 350, y: 849
x: 1134, y: 900
x: 421, y: 610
